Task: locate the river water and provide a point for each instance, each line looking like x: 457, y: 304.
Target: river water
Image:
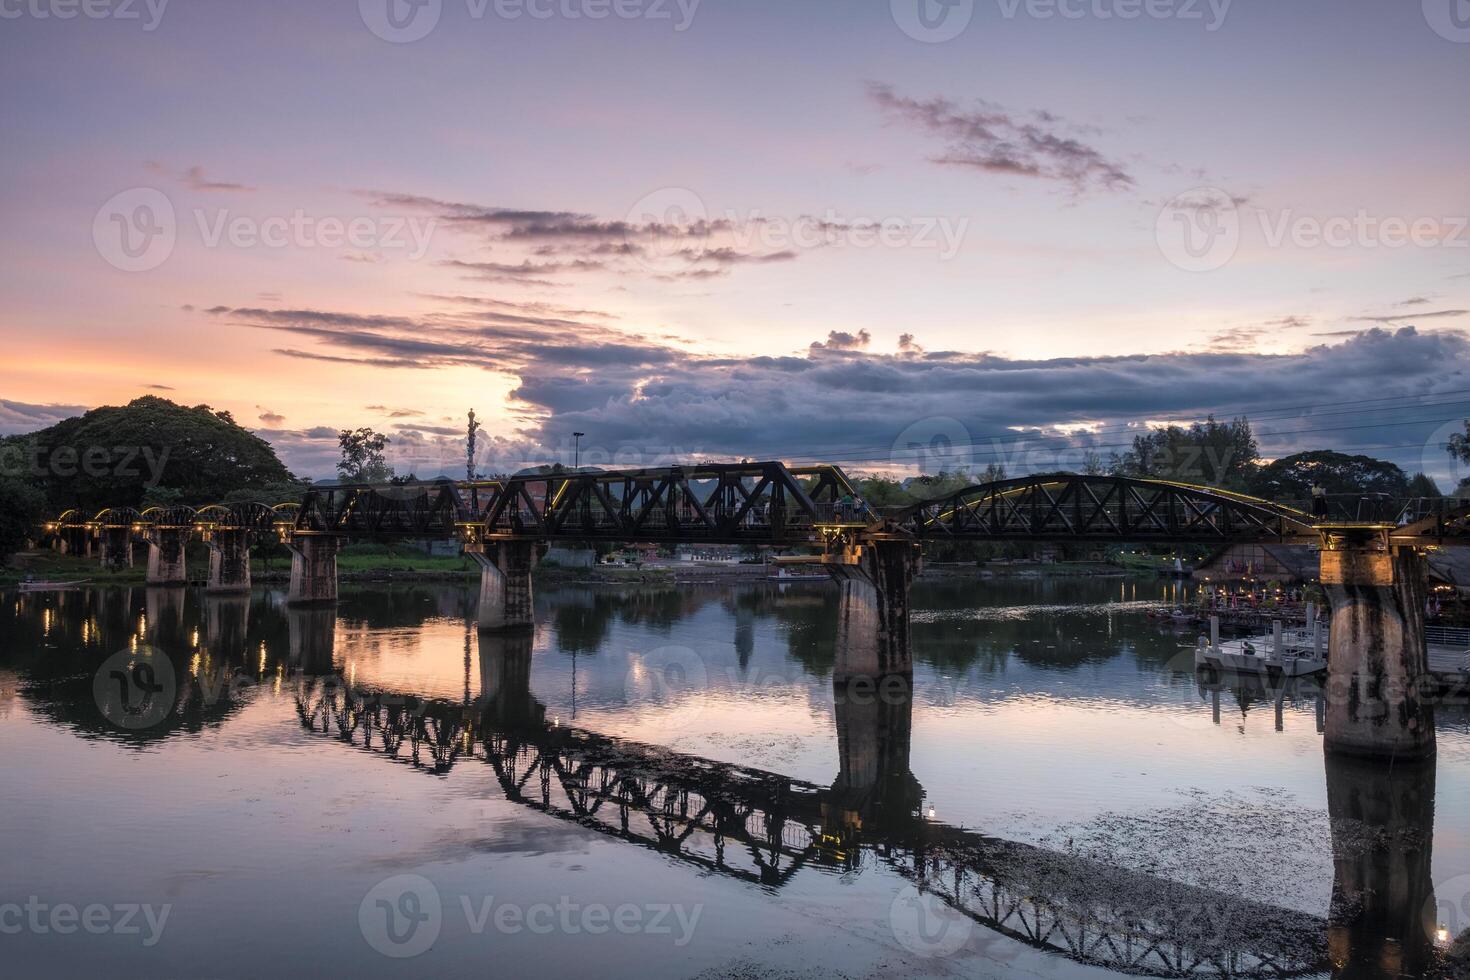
x: 665, y: 783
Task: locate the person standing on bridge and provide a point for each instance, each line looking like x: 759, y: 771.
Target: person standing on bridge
x: 1319, y: 500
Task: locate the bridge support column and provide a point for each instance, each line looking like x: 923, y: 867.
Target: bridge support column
x: 1383, y: 917
x: 313, y: 568
x: 229, y: 560
x: 1376, y: 661
x: 312, y: 635
x: 505, y: 584
x: 117, y: 547
x: 874, y: 782
x: 226, y: 624
x: 873, y: 612
x: 166, y: 556
x: 164, y: 609
x: 505, y: 681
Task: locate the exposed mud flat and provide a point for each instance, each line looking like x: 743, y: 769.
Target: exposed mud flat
x: 1256, y: 843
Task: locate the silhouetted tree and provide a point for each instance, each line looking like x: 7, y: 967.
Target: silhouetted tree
x: 1292, y: 477
x: 362, y: 456
x: 149, y: 449
x: 1222, y: 454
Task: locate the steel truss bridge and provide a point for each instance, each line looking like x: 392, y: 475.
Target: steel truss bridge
x: 250, y: 516
x: 764, y: 828
x: 769, y: 503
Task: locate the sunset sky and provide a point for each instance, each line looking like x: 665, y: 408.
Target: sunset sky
x: 806, y: 230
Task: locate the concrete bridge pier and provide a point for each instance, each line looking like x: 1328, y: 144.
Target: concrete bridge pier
x: 311, y: 635
x: 873, y: 612
x: 166, y: 556
x: 875, y: 788
x: 505, y: 584
x: 505, y: 681
x: 229, y: 561
x: 164, y: 609
x: 1376, y: 661
x: 313, y: 568
x: 116, y: 549
x: 226, y: 625
x: 1384, y: 917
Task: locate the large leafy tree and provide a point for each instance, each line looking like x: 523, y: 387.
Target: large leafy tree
x: 22, y: 507
x: 149, y: 450
x: 1221, y: 454
x: 1292, y: 477
x: 362, y: 456
x: 1423, y: 485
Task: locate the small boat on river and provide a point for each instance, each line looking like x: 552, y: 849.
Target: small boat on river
x: 34, y: 586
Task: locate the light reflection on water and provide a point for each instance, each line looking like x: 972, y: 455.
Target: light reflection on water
x: 1046, y: 712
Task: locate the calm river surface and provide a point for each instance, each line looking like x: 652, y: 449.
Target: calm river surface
x: 664, y: 783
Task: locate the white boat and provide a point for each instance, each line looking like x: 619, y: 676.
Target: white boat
x: 51, y: 586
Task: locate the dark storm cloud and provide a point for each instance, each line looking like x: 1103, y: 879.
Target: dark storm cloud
x: 990, y: 138
x: 640, y: 398
x: 17, y: 417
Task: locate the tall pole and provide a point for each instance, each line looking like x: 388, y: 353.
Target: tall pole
x: 577, y: 450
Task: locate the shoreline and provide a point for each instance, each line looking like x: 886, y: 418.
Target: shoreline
x: 48, y: 566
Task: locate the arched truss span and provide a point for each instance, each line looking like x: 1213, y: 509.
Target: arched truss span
x: 244, y: 516
x: 173, y: 516
x: 116, y: 517
x: 1072, y: 507
x: 412, y: 510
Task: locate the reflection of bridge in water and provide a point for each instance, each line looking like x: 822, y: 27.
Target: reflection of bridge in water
x: 765, y: 828
x: 1372, y: 551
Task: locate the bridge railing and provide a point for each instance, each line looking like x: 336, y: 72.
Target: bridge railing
x: 1374, y: 508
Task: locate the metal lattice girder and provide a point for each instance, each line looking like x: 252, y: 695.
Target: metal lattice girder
x: 1071, y: 507
x: 416, y: 510
x: 717, y: 503
x: 174, y: 516
x: 117, y: 517
x: 768, y: 503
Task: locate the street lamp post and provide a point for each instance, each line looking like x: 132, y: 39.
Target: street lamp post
x: 577, y: 450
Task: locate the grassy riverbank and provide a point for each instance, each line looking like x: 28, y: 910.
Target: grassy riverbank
x: 376, y: 563
x: 351, y: 567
